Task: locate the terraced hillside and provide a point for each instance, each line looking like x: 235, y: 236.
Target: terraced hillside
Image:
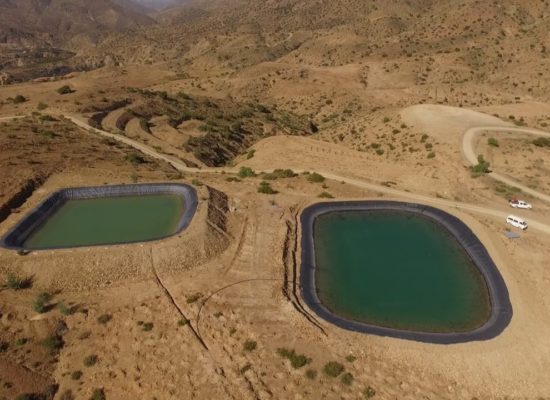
x: 198, y: 130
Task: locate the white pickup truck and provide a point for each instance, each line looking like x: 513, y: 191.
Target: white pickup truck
x: 520, y: 204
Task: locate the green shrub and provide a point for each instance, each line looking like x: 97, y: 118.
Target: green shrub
x: 315, y: 178
x: 492, y: 142
x: 76, y: 375
x: 246, y: 172
x: 53, y: 343
x: 266, y: 188
x: 380, y: 151
x: 193, y: 298
x: 347, y: 379
x: 296, y: 360
x: 90, y: 360
x: 21, y: 341
x: 183, y: 322
x: 481, y: 168
x: 250, y: 154
x: 249, y: 345
x: 369, y: 393
x: 41, y: 303
x: 16, y: 283
x: 333, y: 369
x: 98, y: 394
x: 351, y: 358
x: 148, y: 326
x: 63, y: 309
x: 542, y: 142
x: 280, y: 174
x: 134, y: 158
x: 65, y: 89
x: 245, y: 368
x: 41, y: 106
x: 196, y: 182
x: 431, y: 154
x: 326, y: 195
x: 104, y: 318
x: 19, y: 99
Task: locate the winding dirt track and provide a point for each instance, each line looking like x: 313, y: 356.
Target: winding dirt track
x: 470, y: 154
x: 467, y: 150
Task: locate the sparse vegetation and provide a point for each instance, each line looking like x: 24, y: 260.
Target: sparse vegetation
x: 280, y: 174
x: 347, y: 379
x: 266, y: 188
x: 53, y: 343
x: 311, y: 374
x: 98, y: 394
x: 333, y: 369
x: 40, y: 304
x: 91, y: 360
x: 246, y: 172
x: 76, y: 375
x: 542, y: 142
x: 325, y: 195
x: 369, y: 393
x: 104, y: 318
x: 493, y: 142
x: 65, y: 89
x: 19, y: 99
x: 15, y: 282
x: 315, y: 178
x: 193, y: 298
x: 482, y: 167
x: 249, y: 345
x: 147, y: 326
x: 41, y: 106
x: 296, y: 360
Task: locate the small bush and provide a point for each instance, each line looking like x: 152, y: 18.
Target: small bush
x: 19, y: 99
x: 21, y: 341
x: 104, y: 318
x: 369, y: 393
x: 431, y: 154
x: 41, y: 303
x: 249, y: 345
x: 76, y: 375
x: 493, y: 142
x: 148, y: 326
x: 16, y: 283
x: 196, y: 182
x: 542, y: 142
x: 134, y: 158
x: 326, y: 195
x: 183, y: 322
x: 347, y: 379
x: 193, y: 298
x: 380, y: 151
x: 90, y: 360
x: 482, y: 167
x: 250, y: 154
x: 296, y: 360
x: 246, y: 172
x: 266, y: 188
x: 41, y: 106
x: 64, y: 310
x: 245, y: 368
x: 53, y: 343
x: 316, y: 178
x: 65, y: 89
x: 351, y: 358
x: 311, y: 374
x: 98, y: 394
x: 333, y: 369
x: 280, y: 174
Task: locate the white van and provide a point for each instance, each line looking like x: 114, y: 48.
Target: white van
x: 516, y: 221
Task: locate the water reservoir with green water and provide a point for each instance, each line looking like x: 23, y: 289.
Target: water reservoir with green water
x: 111, y: 220
x: 105, y: 215
x: 397, y: 270
x: 402, y: 270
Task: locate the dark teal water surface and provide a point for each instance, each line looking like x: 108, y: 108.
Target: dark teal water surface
x: 109, y: 220
x: 397, y: 270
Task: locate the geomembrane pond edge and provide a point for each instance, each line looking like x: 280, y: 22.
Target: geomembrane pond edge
x: 501, y: 307
x: 16, y: 237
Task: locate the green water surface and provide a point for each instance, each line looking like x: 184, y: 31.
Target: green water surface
x: 109, y: 220
x: 397, y: 270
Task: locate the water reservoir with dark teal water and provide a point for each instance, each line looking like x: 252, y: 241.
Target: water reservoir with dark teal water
x: 402, y: 270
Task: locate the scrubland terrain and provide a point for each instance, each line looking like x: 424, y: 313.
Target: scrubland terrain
x: 344, y: 100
